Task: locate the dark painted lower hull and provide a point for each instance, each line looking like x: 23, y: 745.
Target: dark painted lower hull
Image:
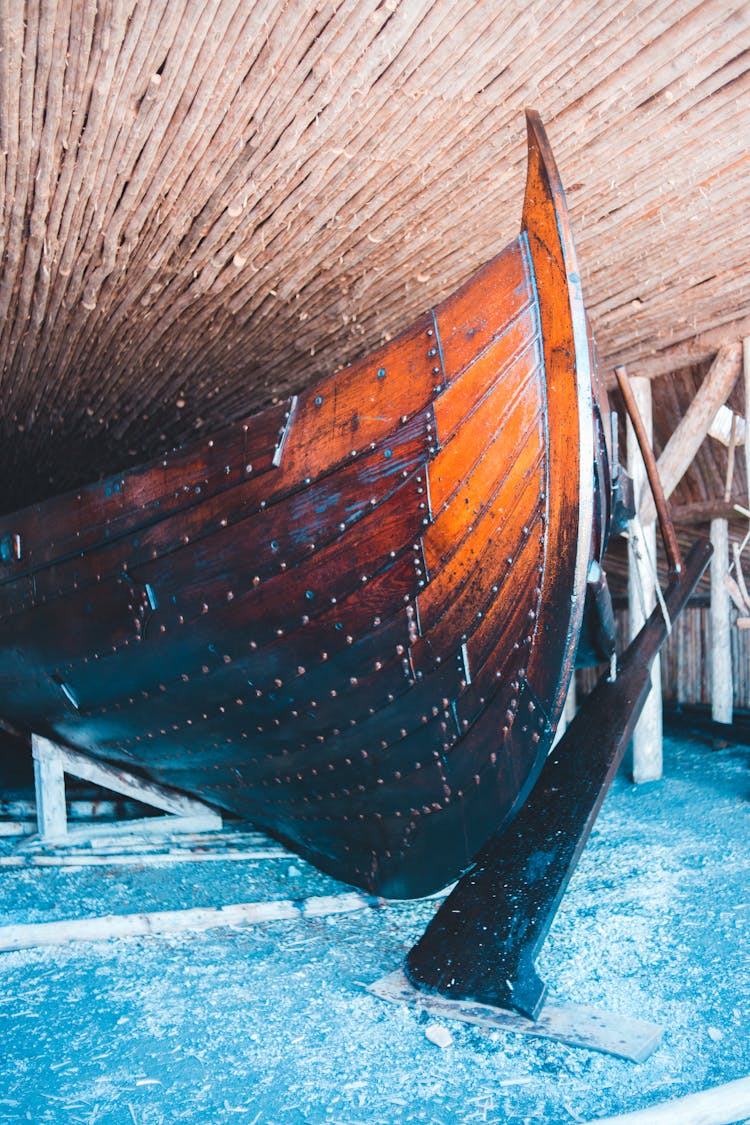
x: 353, y: 618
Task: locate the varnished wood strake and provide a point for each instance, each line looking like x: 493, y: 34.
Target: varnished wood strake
x: 352, y: 618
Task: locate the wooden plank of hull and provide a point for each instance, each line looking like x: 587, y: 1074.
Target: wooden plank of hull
x: 302, y: 520
x: 81, y: 520
x: 384, y: 700
x: 115, y: 612
x: 462, y: 479
x: 472, y: 317
x: 348, y: 411
x: 362, y: 404
x: 464, y: 584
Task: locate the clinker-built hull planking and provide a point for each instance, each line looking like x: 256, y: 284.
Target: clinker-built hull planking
x: 353, y: 617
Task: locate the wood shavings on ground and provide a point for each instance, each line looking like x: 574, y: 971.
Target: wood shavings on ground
x: 271, y: 1025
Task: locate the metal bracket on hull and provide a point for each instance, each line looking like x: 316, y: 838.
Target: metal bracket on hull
x: 483, y: 942
x: 52, y: 762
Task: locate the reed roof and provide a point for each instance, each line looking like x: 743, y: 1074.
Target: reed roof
x: 207, y: 206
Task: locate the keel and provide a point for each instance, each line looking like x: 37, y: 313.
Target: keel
x: 484, y: 940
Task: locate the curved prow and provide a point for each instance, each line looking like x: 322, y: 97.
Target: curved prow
x: 483, y: 941
x: 570, y: 505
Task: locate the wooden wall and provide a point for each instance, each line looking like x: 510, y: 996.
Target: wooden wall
x: 685, y: 663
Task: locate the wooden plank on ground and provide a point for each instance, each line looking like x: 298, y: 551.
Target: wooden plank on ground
x: 722, y: 1105
x: 195, y: 920
x: 121, y: 845
x: 596, y: 1030
x: 17, y: 827
x: 147, y: 859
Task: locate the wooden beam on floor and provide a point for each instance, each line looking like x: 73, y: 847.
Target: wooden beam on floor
x: 722, y: 1105
x: 194, y: 920
x: 576, y: 1026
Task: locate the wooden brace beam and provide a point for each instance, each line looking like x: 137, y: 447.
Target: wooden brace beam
x: 52, y: 762
x: 684, y: 443
x: 703, y: 511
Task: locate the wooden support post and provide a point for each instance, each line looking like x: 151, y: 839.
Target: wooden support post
x: 49, y: 783
x: 721, y: 647
x: 647, y: 738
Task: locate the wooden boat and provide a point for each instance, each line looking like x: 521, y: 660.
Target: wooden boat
x: 351, y: 618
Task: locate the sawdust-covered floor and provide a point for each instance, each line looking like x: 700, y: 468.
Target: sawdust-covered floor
x: 271, y: 1025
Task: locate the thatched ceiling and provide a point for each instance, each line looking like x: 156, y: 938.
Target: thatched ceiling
x: 209, y: 204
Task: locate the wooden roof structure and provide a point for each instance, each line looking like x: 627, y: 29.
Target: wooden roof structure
x: 206, y: 206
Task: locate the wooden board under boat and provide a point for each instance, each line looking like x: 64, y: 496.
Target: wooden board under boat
x: 353, y: 617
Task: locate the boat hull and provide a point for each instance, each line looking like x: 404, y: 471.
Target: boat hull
x: 353, y: 618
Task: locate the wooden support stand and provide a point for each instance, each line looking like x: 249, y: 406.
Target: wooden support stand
x: 483, y: 942
x: 49, y: 785
x: 52, y: 762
